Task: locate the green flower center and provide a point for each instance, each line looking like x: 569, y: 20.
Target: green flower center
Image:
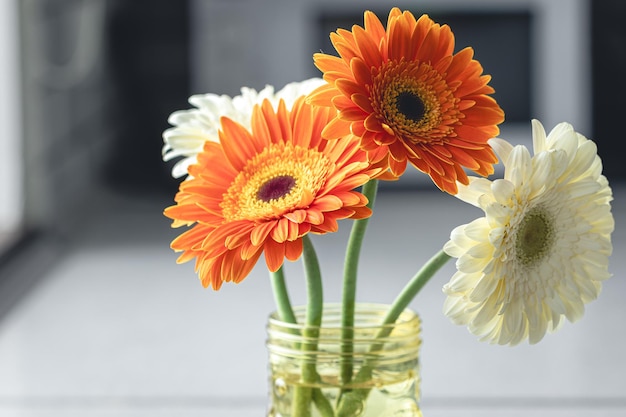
x: 275, y: 188
x: 535, y: 236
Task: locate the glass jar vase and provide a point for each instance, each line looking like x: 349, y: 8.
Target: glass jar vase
x: 367, y: 370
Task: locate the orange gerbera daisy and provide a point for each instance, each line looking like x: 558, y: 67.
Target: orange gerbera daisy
x: 261, y: 190
x: 409, y: 98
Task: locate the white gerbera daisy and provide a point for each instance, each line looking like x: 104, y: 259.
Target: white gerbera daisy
x: 192, y: 128
x: 541, y: 251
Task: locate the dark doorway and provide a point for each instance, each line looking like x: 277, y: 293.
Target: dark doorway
x: 150, y: 65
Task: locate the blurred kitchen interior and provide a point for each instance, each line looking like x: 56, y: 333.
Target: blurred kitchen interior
x: 87, y: 87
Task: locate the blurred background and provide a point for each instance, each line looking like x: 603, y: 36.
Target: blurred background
x: 86, y: 87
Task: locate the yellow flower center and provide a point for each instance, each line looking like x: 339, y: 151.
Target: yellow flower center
x: 276, y: 181
x: 414, y: 102
x: 535, y: 236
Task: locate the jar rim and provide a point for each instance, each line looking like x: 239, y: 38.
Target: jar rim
x: 367, y: 316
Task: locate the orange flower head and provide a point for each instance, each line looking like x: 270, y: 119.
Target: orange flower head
x: 410, y: 99
x: 259, y: 191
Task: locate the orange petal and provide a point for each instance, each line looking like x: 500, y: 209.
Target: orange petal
x: 297, y: 216
x: 363, y: 101
x: 461, y: 157
x: 373, y: 124
x: 261, y: 231
x: 329, y: 63
x: 322, y: 95
x: 459, y: 63
x: 293, y: 249
x: 352, y: 114
x: 314, y: 216
x: 367, y: 47
x: 328, y: 203
x: 348, y: 87
x: 361, y: 71
x: 400, y: 46
x: 250, y: 251
x: 281, y: 231
x: 336, y: 128
x: 274, y: 255
x: 244, y: 268
x: 373, y: 25
x: 397, y: 167
x: 236, y: 142
x: 341, y: 102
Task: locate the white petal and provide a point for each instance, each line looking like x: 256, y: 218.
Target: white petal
x: 195, y: 126
x: 539, y: 137
x: 474, y: 191
x: 501, y: 147
x: 506, y: 300
x: 518, y: 166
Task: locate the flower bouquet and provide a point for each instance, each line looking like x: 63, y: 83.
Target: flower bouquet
x: 266, y: 169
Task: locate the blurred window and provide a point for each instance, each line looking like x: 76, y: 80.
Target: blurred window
x: 11, y: 184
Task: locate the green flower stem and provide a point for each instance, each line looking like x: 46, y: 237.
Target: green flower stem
x: 351, y: 264
x: 286, y: 314
x: 315, y: 293
x: 322, y: 403
x: 281, y: 297
x: 303, y: 396
x: 409, y: 292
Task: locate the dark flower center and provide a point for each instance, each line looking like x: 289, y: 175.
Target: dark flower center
x: 275, y: 188
x: 534, y: 237
x: 410, y: 105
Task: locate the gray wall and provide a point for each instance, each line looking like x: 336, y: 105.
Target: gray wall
x: 100, y: 79
x: 67, y: 124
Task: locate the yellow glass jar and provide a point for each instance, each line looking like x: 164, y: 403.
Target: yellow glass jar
x: 367, y: 370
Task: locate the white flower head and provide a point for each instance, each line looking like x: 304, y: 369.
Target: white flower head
x: 192, y: 128
x: 541, y: 251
